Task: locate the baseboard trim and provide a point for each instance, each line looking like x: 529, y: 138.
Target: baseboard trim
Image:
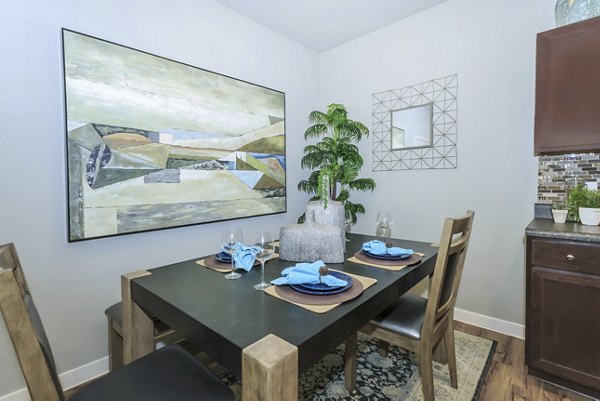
x: 19, y: 395
x: 491, y: 323
x: 68, y: 379
x: 84, y: 373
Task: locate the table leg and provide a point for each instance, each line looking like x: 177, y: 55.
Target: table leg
x: 270, y: 370
x: 350, y: 363
x: 138, y: 327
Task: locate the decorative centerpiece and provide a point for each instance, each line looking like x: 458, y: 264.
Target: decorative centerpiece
x: 332, y: 215
x: 311, y: 241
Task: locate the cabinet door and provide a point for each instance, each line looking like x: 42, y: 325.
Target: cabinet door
x: 568, y: 89
x: 565, y: 325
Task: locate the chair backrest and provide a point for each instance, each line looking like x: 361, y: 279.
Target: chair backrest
x: 26, y: 330
x: 444, y: 283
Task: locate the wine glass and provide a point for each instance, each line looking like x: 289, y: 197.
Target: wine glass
x: 231, y: 238
x: 384, y: 225
x: 348, y: 223
x: 263, y: 241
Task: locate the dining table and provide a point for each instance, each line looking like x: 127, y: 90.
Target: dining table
x: 265, y: 341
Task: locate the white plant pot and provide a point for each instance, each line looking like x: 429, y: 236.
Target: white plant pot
x: 589, y: 216
x: 560, y: 216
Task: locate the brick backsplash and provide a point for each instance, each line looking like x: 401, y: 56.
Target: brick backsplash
x: 556, y: 174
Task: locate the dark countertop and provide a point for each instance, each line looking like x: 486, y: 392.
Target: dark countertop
x: 547, y: 228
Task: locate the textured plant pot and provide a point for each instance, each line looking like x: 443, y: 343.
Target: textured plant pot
x: 311, y: 241
x: 589, y: 216
x: 560, y: 216
x: 334, y: 215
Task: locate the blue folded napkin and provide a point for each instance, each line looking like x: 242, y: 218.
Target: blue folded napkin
x: 307, y: 273
x: 377, y: 247
x: 244, y: 256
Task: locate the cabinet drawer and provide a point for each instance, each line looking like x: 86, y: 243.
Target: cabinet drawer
x: 577, y: 256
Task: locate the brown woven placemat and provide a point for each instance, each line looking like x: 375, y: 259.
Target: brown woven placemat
x: 366, y: 282
x: 394, y: 265
x: 288, y: 293
x: 212, y: 263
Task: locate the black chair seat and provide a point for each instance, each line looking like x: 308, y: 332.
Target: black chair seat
x: 404, y: 317
x: 115, y: 313
x: 169, y: 374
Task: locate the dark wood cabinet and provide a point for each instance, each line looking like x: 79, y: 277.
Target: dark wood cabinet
x: 563, y: 313
x: 567, y: 117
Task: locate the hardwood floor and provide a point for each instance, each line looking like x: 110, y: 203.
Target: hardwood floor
x: 507, y: 379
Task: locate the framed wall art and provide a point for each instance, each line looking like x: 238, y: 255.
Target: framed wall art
x: 153, y: 143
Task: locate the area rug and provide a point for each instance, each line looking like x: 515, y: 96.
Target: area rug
x: 395, y: 377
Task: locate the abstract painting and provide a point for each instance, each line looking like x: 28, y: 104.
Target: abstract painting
x: 153, y: 143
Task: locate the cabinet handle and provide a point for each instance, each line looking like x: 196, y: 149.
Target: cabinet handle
x: 570, y: 257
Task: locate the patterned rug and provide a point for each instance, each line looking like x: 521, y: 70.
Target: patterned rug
x: 393, y: 378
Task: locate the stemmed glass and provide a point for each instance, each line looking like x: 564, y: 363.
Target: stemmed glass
x: 384, y: 225
x: 230, y: 238
x: 266, y: 246
x: 348, y: 223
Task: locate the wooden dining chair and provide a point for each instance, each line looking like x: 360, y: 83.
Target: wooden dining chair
x: 420, y: 324
x: 168, y: 374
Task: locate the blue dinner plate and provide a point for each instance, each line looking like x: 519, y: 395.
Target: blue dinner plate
x: 324, y: 289
x: 387, y: 257
x: 223, y: 257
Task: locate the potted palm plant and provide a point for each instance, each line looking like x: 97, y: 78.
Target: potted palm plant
x: 336, y: 156
x: 586, y: 203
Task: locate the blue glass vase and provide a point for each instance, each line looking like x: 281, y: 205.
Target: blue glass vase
x: 569, y: 11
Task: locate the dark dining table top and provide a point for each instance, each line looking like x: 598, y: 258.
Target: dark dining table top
x: 225, y: 316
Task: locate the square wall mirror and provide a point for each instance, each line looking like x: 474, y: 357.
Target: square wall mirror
x: 415, y: 127
x: 412, y: 127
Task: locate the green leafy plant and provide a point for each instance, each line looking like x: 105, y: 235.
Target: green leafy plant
x: 323, y: 187
x: 336, y: 156
x: 581, y: 196
x: 559, y: 206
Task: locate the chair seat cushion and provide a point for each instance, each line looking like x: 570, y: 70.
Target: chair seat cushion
x: 404, y: 317
x: 115, y: 313
x: 169, y: 374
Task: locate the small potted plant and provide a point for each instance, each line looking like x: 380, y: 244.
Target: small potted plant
x: 559, y: 212
x: 587, y: 204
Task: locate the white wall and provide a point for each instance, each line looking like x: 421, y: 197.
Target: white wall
x: 491, y: 45
x: 73, y: 283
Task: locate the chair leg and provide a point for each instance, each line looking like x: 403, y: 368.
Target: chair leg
x: 350, y: 361
x: 426, y: 363
x: 451, y: 355
x: 115, y: 348
x: 383, y: 348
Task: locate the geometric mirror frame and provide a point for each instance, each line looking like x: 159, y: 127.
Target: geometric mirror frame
x: 442, y: 154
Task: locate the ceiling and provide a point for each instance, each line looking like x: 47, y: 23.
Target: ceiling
x: 323, y: 24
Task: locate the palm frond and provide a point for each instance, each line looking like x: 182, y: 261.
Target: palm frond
x: 353, y: 130
x: 343, y: 196
x: 311, y: 149
x: 362, y: 184
x: 315, y: 131
x: 318, y: 117
x: 313, y: 160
